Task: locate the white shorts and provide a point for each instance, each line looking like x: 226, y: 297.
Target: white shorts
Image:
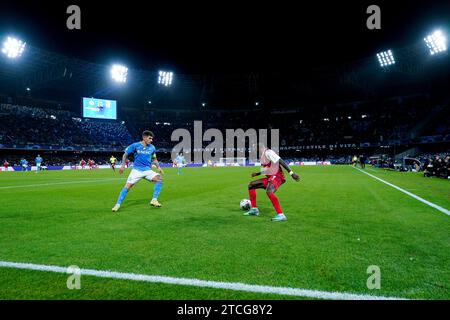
x: 180, y: 165
x: 38, y: 165
x: 136, y: 175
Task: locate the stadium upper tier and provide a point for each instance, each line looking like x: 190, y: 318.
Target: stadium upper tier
x: 395, y: 121
x: 24, y: 127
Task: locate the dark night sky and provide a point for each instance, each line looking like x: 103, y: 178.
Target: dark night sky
x: 222, y: 36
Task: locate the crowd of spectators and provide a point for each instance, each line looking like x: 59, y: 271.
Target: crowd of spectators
x: 22, y: 125
x: 376, y: 122
x: 352, y: 124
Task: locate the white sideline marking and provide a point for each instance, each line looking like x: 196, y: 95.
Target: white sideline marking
x: 201, y: 283
x: 57, y: 183
x: 447, y: 212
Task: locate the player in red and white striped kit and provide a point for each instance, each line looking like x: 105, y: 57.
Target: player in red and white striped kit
x: 272, y: 168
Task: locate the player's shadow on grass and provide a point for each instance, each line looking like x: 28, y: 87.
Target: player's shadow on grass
x: 233, y: 211
x: 144, y: 202
x: 136, y: 203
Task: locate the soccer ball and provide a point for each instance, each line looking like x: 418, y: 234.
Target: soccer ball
x: 245, y: 204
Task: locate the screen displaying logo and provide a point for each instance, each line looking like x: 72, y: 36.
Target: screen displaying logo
x: 99, y: 108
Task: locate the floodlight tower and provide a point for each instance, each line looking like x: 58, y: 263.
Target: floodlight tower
x: 165, y: 78
x: 13, y: 48
x: 436, y: 42
x: 386, y: 58
x: 119, y: 73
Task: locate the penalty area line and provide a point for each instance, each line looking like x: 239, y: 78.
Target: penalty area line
x: 237, y: 286
x: 431, y: 204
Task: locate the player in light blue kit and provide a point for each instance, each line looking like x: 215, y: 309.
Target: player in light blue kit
x: 24, y: 164
x: 38, y: 161
x: 180, y: 162
x: 144, y: 156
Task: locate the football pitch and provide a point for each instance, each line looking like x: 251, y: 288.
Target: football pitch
x: 340, y: 222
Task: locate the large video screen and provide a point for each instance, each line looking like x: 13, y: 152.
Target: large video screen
x: 99, y: 108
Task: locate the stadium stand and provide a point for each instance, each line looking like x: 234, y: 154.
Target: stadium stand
x: 24, y: 126
x: 333, y: 133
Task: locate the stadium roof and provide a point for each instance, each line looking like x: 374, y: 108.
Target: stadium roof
x: 201, y: 36
x: 218, y: 50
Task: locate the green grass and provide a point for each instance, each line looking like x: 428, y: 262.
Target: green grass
x: 340, y: 221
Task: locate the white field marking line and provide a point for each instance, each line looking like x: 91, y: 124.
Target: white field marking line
x: 443, y: 210
x: 78, y: 178
x: 200, y: 283
x: 58, y: 183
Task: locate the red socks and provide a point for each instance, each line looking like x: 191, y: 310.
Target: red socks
x: 276, y: 204
x: 252, y: 194
x: 273, y: 198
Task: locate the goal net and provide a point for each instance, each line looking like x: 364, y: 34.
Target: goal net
x: 231, y: 162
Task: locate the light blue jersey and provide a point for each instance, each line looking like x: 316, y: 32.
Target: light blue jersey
x: 180, y: 159
x: 38, y: 160
x: 143, y: 156
x: 24, y: 162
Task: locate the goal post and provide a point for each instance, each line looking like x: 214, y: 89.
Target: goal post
x: 232, y: 162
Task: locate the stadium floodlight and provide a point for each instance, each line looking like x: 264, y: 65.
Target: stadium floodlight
x: 203, y: 104
x: 119, y: 73
x: 436, y: 42
x: 165, y: 78
x: 256, y: 103
x: 386, y: 58
x: 13, y: 48
x: 28, y: 89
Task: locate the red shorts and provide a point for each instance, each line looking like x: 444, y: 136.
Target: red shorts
x: 275, y: 180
